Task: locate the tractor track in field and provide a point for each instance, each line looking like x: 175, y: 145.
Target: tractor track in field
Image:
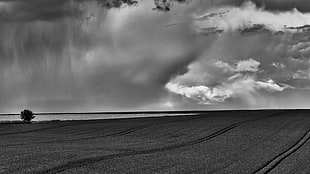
x: 46, y: 128
x: 217, y: 170
x: 88, y: 161
x: 82, y: 123
x: 274, y: 162
x: 121, y: 133
x: 34, y: 130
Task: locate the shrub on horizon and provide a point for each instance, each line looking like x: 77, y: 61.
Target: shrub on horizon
x: 26, y: 115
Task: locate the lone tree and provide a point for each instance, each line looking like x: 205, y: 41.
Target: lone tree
x: 27, y: 115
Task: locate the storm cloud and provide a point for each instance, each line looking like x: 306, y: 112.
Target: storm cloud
x: 76, y: 55
x: 111, y: 61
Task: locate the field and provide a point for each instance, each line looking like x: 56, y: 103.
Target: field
x: 265, y: 141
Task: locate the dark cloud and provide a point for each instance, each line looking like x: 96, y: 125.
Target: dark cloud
x: 275, y: 5
x: 255, y: 29
x: 19, y: 10
x: 112, y: 61
x: 46, y: 10
x: 122, y: 59
x: 115, y: 3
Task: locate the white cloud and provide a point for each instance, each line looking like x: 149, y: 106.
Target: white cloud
x: 278, y: 65
x: 223, y: 65
x: 302, y: 74
x: 269, y: 86
x: 250, y: 65
x: 243, y: 88
x: 246, y: 16
x: 201, y: 94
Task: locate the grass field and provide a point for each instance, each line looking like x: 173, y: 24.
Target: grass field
x: 266, y: 141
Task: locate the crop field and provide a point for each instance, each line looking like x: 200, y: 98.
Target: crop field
x: 264, y: 141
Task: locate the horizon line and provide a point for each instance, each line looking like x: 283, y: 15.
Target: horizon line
x: 150, y: 111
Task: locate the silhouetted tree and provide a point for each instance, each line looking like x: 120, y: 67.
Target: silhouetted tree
x: 27, y: 115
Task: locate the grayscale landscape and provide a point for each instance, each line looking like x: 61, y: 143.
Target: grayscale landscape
x: 155, y: 86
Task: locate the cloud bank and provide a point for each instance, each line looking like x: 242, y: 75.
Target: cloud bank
x: 242, y: 85
x: 248, y: 17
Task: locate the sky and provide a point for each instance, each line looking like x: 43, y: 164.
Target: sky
x: 117, y: 55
